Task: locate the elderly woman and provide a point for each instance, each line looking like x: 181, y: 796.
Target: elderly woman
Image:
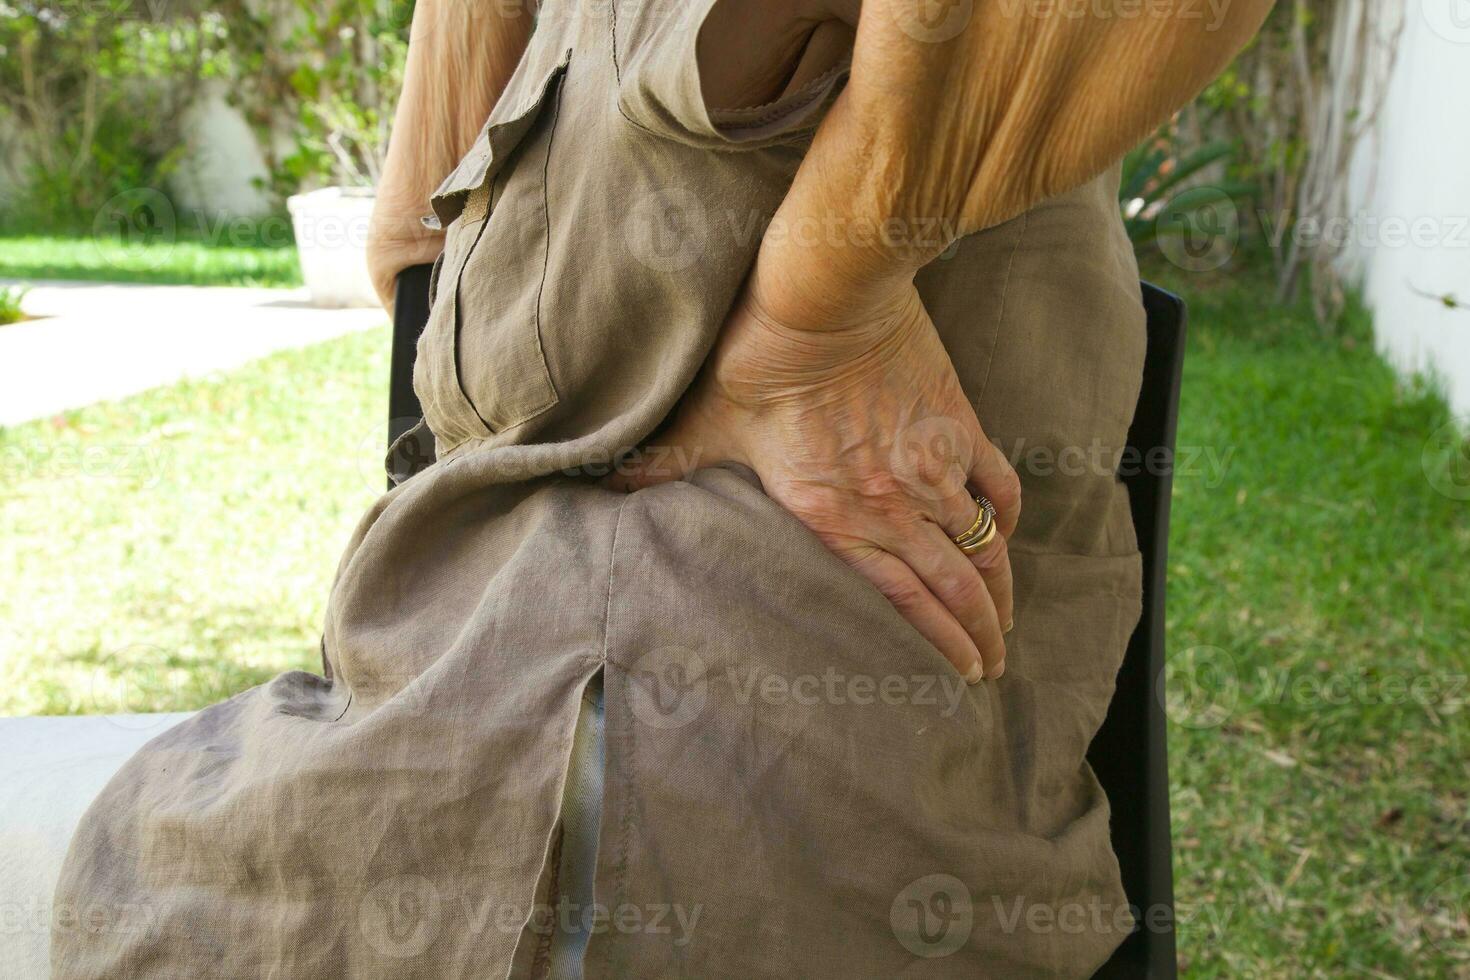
x: 715, y: 642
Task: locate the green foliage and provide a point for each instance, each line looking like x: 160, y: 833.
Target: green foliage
x: 329, y: 74
x: 1297, y: 102
x: 91, y: 96
x: 1178, y: 199
x: 10, y: 300
x: 1157, y: 178
x: 347, y: 90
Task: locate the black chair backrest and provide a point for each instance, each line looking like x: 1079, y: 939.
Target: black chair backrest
x: 410, y: 316
x: 1129, y: 753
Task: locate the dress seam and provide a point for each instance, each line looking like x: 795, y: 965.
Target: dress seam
x: 546, y: 255
x: 628, y: 745
x: 1000, y: 316
x: 612, y: 559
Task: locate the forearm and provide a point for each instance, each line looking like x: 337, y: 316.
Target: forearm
x: 460, y: 57
x: 936, y: 139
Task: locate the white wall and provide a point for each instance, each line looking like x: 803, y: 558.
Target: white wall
x: 224, y: 159
x: 217, y: 173
x: 1412, y: 216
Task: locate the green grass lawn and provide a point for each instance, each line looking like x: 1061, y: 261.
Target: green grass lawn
x: 166, y: 551
x: 1319, y: 648
x: 184, y: 262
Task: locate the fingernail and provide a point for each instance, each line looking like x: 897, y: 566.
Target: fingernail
x: 976, y: 674
x: 1000, y: 668
x: 1008, y: 626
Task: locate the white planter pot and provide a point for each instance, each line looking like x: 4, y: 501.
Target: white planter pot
x: 331, y: 238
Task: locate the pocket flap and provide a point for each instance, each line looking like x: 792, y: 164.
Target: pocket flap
x: 508, y: 123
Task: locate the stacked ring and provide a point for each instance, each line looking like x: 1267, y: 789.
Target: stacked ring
x: 982, y: 532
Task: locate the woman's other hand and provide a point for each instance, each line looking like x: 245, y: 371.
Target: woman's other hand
x: 862, y: 431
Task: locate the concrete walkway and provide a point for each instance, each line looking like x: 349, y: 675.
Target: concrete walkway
x: 96, y: 342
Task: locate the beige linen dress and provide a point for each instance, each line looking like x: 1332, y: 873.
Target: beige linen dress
x: 794, y: 783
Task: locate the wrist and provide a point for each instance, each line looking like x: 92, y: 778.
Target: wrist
x: 853, y: 230
x: 825, y: 289
x: 765, y: 362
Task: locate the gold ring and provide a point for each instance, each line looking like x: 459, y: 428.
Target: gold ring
x: 975, y: 528
x: 980, y: 533
x: 976, y: 545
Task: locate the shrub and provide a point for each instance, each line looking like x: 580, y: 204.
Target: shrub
x: 91, y: 96
x: 10, y: 299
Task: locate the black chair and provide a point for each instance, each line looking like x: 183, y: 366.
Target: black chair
x: 1129, y: 753
x: 410, y: 316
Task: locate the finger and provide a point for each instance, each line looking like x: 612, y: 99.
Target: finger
x: 993, y: 475
x: 956, y: 513
x: 994, y: 565
x: 992, y: 562
x: 917, y: 604
x: 948, y: 574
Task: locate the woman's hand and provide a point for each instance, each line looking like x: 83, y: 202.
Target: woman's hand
x: 863, y: 432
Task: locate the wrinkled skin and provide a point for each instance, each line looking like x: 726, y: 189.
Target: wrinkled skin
x: 863, y: 432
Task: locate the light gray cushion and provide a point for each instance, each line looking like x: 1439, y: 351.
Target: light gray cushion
x: 50, y: 770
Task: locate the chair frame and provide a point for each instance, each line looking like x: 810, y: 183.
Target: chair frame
x: 1130, y: 752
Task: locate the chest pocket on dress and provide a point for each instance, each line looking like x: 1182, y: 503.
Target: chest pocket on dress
x: 481, y: 367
